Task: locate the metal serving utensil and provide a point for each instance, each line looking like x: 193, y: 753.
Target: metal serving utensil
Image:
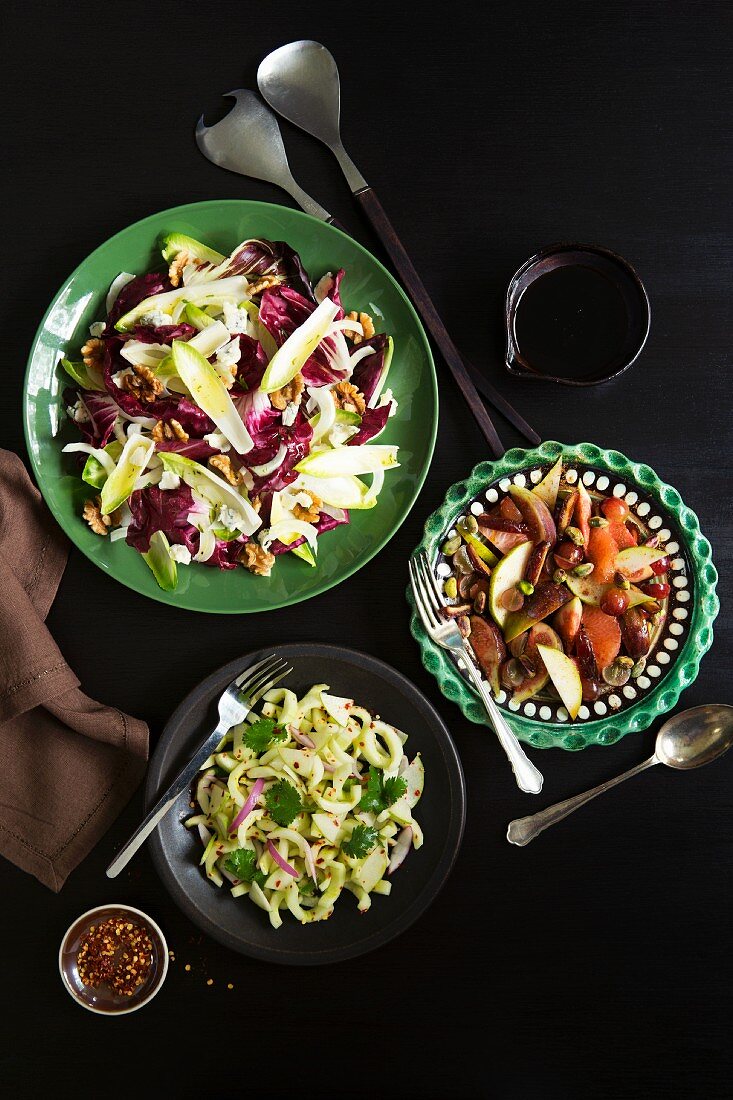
x: 445, y: 633
x: 248, y: 141
x: 301, y: 82
x: 688, y: 740
x: 234, y: 705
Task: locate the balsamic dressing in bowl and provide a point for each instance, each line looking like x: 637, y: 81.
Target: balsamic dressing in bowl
x: 575, y: 314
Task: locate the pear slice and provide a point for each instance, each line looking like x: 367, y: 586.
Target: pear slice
x: 548, y: 488
x: 505, y: 575
x: 635, y: 558
x: 591, y: 591
x: 564, y: 676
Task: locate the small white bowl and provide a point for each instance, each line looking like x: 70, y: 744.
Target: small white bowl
x: 102, y: 1000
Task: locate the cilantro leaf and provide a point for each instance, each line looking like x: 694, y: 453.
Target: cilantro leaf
x: 243, y: 864
x: 262, y: 733
x: 371, y: 798
x: 393, y: 789
x: 380, y: 793
x: 361, y: 841
x: 283, y: 802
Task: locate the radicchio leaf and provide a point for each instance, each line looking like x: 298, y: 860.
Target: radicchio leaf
x: 325, y: 523
x: 282, y: 311
x: 134, y: 292
x: 368, y: 371
x: 372, y: 423
x: 154, y: 509
x: 103, y: 412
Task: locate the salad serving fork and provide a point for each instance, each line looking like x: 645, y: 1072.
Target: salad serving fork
x: 235, y: 703
x: 445, y: 633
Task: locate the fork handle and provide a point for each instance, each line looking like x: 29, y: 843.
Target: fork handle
x: 528, y: 777
x: 167, y: 800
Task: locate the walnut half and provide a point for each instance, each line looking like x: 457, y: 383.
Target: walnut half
x: 98, y: 522
x: 293, y: 392
x: 257, y: 559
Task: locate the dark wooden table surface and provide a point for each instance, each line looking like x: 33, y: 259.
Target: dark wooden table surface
x: 595, y: 963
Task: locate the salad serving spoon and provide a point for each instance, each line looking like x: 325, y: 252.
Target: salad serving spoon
x: 248, y: 141
x: 301, y: 82
x: 688, y: 740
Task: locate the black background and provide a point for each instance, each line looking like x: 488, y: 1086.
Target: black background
x: 594, y: 963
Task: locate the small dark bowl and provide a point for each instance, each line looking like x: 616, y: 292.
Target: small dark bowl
x: 103, y: 1000
x: 613, y: 269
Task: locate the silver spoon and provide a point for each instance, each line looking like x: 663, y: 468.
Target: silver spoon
x: 248, y: 141
x: 301, y: 82
x: 688, y: 740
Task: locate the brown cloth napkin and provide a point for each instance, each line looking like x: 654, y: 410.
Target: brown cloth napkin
x: 68, y: 764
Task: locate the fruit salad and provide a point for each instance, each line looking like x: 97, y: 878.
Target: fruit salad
x: 562, y: 591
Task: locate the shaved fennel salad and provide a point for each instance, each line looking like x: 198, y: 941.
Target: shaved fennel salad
x: 311, y: 798
x: 227, y: 407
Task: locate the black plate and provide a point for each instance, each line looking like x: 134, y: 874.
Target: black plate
x: 239, y: 924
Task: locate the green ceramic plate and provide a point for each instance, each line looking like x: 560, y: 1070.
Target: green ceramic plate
x: 222, y: 224
x: 693, y: 604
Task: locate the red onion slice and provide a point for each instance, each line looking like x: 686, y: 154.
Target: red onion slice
x: 282, y: 863
x: 302, y: 738
x: 400, y: 850
x: 254, y: 797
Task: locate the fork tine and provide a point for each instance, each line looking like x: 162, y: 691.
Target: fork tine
x: 263, y: 677
x: 430, y: 593
x: 433, y: 580
x: 250, y: 672
x: 424, y: 606
x: 264, y: 688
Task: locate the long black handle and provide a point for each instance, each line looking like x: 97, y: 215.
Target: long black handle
x: 424, y: 305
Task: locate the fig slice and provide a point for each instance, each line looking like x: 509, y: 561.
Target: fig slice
x: 585, y: 655
x: 564, y: 511
x: 536, y: 562
x: 535, y: 513
x: 540, y: 635
x: 545, y: 599
x: 567, y: 622
x: 488, y: 645
x: 477, y: 561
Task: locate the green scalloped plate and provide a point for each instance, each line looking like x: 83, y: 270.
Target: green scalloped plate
x: 688, y: 633
x: 222, y: 224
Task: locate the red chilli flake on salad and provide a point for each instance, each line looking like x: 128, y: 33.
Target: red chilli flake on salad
x: 227, y: 409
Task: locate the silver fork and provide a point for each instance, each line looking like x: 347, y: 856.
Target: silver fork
x: 234, y: 706
x: 445, y: 633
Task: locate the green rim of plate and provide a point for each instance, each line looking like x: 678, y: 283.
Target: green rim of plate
x: 703, y: 611
x: 223, y: 223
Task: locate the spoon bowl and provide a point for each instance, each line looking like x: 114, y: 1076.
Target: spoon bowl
x: 695, y: 737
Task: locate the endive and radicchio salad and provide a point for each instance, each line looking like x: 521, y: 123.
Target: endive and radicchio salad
x: 227, y: 408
